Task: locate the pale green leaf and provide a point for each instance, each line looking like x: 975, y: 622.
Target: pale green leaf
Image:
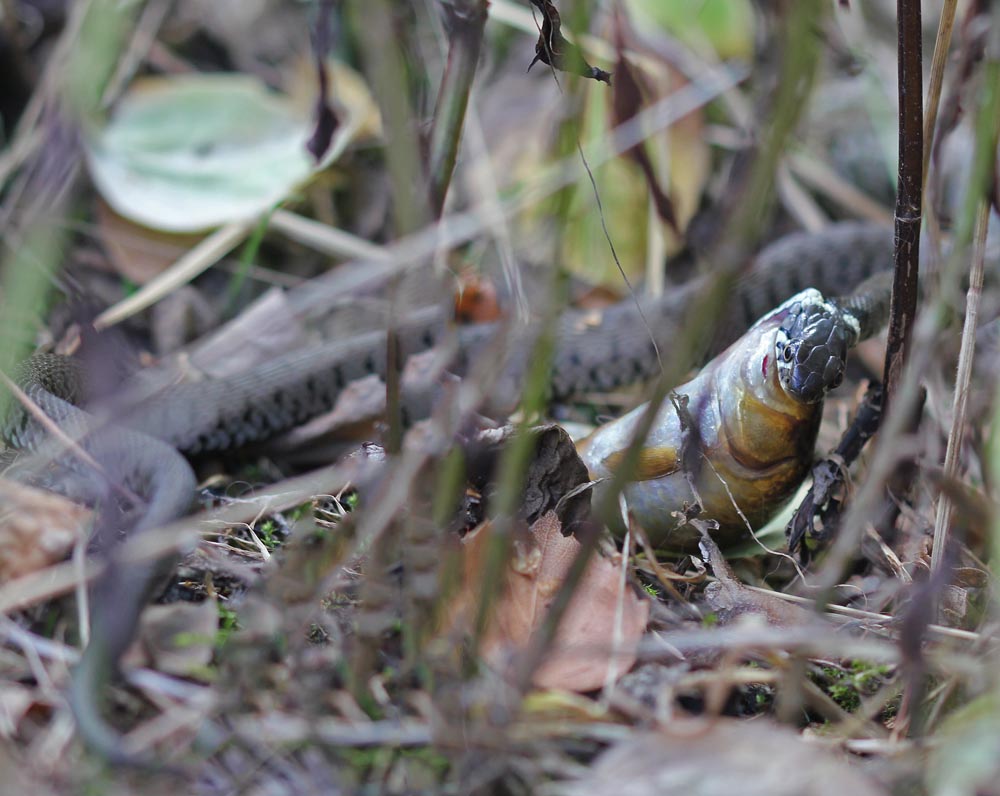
x: 187, y: 153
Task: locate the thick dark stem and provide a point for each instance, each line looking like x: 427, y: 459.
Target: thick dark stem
x: 903, y: 306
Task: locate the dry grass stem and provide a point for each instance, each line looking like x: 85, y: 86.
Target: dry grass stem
x: 942, y: 47
x: 200, y: 258
x: 963, y: 377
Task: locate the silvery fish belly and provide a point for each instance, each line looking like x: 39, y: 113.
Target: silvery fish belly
x: 742, y: 432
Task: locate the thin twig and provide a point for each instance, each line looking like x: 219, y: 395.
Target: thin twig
x: 870, y: 616
x: 942, y: 44
x: 466, y: 21
x: 193, y: 263
x: 962, y: 379
x: 324, y: 238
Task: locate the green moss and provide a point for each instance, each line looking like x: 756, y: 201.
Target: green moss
x: 847, y: 687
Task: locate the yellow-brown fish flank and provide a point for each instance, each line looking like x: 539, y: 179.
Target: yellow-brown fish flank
x: 653, y: 462
x: 761, y: 433
x: 748, y: 440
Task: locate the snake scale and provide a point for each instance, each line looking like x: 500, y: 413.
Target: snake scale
x: 140, y: 451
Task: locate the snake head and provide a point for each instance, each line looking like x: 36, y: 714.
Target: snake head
x: 811, y: 346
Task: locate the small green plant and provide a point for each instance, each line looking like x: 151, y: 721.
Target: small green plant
x: 266, y: 532
x: 228, y: 624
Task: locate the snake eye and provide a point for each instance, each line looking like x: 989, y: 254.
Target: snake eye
x: 787, y: 353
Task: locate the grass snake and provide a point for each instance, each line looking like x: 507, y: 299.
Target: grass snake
x: 140, y: 450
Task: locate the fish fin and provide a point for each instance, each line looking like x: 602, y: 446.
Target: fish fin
x: 653, y: 462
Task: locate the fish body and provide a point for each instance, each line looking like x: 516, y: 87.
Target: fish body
x: 737, y: 439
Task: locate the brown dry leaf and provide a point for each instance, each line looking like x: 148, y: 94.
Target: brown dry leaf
x: 135, y: 252
x: 727, y: 758
x: 627, y: 101
x: 556, y: 51
x: 37, y: 528
x: 554, y: 478
x: 584, y: 648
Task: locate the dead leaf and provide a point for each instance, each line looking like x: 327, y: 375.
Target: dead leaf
x: 671, y: 175
x: 725, y: 758
x: 627, y: 101
x: 347, y: 93
x: 585, y: 648
x: 554, y: 50
x: 136, y: 252
x: 555, y: 477
x: 324, y: 115
x: 37, y: 528
x: 564, y: 706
